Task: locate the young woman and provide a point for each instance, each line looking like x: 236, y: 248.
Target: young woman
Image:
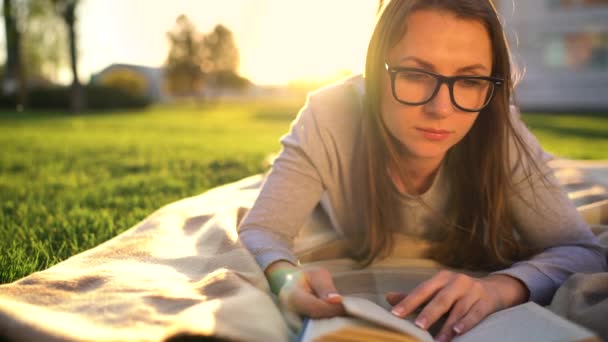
x: 425, y: 145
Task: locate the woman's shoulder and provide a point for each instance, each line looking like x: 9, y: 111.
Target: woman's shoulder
x: 329, y: 125
x: 342, y: 87
x: 338, y: 103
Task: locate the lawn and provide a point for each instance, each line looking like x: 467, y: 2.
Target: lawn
x: 68, y: 183
x: 575, y: 136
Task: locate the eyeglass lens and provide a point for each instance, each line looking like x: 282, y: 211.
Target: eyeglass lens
x: 418, y: 87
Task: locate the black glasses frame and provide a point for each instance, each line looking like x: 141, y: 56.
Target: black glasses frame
x: 449, y: 80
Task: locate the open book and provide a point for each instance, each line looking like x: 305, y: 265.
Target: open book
x: 367, y: 321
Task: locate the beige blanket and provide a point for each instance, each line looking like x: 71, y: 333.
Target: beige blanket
x: 183, y: 272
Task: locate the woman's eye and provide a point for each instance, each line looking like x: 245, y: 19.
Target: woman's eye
x: 413, y: 76
x: 471, y: 83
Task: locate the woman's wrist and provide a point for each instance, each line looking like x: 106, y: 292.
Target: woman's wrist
x: 510, y: 290
x: 279, y: 273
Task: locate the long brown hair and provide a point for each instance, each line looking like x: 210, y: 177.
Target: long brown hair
x: 479, y: 231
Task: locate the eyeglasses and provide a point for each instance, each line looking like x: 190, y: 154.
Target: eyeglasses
x: 414, y: 87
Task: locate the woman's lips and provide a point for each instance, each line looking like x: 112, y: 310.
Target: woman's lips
x: 434, y: 134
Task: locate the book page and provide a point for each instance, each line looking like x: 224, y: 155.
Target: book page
x: 315, y: 328
x: 368, y: 310
x: 526, y: 322
x: 343, y: 329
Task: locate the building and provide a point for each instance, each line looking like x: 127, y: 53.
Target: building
x: 562, y: 45
x: 154, y: 78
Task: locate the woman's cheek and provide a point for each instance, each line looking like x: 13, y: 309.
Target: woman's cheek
x: 395, y: 125
x: 463, y: 130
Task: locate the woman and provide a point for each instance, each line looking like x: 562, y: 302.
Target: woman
x: 427, y: 146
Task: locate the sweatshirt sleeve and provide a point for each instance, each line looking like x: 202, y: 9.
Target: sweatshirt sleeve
x: 289, y: 193
x: 548, y: 221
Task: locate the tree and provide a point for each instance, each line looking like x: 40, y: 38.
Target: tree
x: 14, y: 75
x: 183, y: 72
x: 196, y: 60
x: 44, y: 41
x: 219, y: 51
x: 34, y: 46
x: 221, y: 60
x: 229, y: 79
x: 67, y: 10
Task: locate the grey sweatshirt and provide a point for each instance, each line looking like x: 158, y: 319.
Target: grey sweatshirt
x: 316, y: 160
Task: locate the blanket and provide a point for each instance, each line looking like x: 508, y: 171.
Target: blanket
x: 183, y: 273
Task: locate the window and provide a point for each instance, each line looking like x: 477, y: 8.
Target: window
x: 565, y: 4
x: 577, y: 51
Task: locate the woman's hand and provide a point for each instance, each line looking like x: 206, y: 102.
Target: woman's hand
x: 468, y: 300
x: 310, y: 292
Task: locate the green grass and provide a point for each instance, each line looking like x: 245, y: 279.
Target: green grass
x: 574, y: 136
x: 68, y: 183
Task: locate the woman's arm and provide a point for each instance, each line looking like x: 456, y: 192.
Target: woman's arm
x: 316, y: 156
x: 278, y: 273
x: 548, y: 221
x: 289, y: 193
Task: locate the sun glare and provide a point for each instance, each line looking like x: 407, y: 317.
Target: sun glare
x: 279, y: 40
x: 309, y: 40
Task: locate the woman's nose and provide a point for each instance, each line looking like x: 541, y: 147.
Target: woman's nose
x: 441, y: 104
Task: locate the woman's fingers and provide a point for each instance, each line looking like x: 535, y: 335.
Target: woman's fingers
x: 459, y: 310
x: 421, y: 294
x: 323, y: 285
x: 395, y: 297
x: 310, y: 305
x: 477, y: 312
x: 310, y: 293
x: 459, y: 288
x: 468, y: 300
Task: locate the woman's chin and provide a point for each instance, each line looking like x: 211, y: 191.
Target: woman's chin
x: 426, y: 152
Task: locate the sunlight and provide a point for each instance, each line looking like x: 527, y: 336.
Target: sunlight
x: 309, y: 40
x: 279, y: 40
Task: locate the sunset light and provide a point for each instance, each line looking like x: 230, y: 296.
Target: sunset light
x: 220, y: 169
x: 278, y: 40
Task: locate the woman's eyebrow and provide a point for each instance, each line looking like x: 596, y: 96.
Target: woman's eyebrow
x: 474, y: 67
x: 422, y: 63
x: 430, y: 66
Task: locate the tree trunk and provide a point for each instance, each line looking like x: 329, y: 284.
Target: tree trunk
x: 14, y: 82
x: 77, y: 94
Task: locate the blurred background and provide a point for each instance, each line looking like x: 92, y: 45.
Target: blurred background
x: 167, y: 51
x: 110, y: 109
x: 162, y: 51
x: 561, y: 49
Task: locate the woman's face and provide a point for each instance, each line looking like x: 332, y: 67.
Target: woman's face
x: 441, y: 43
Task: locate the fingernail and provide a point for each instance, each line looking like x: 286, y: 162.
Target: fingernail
x: 442, y: 338
x: 458, y: 328
x: 398, y: 311
x: 420, y: 322
x: 333, y: 295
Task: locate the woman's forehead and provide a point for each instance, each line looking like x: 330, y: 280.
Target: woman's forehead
x: 440, y: 37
